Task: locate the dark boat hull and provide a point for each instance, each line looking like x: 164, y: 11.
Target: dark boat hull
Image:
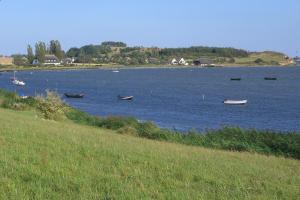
x: 235, y: 79
x: 270, y: 78
x: 68, y: 95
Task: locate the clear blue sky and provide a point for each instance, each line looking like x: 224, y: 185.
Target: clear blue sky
x: 254, y: 25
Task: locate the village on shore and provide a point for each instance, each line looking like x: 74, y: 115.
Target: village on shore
x: 118, y: 54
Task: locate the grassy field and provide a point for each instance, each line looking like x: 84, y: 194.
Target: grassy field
x: 42, y: 159
x: 268, y: 58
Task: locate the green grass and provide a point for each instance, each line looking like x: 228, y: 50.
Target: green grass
x: 268, y: 58
x: 227, y: 138
x: 42, y: 159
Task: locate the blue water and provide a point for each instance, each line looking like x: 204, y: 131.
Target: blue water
x: 173, y: 98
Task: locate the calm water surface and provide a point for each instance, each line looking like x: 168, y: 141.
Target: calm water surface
x: 179, y: 98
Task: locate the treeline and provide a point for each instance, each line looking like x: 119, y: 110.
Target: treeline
x: 118, y: 52
x: 204, y: 51
x: 40, y: 50
x: 110, y: 52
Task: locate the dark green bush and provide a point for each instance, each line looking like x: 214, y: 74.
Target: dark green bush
x: 81, y: 117
x: 117, y: 122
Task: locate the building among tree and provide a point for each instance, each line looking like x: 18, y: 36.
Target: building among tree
x: 182, y: 62
x: 6, y: 60
x: 68, y: 61
x: 51, y: 60
x: 203, y: 62
x: 174, y: 61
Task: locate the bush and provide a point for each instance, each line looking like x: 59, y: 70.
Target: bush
x: 117, y: 122
x: 81, y: 117
x: 51, y: 106
x: 259, y: 61
x: 14, y: 105
x: 128, y: 130
x: 11, y: 100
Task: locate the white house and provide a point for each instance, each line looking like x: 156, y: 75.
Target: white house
x: 174, y: 62
x: 68, y: 61
x: 51, y: 60
x: 182, y: 62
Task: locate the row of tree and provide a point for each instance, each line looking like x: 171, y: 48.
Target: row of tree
x: 118, y: 52
x: 41, y: 50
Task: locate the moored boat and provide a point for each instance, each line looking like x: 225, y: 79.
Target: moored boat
x: 74, y: 95
x: 234, y: 102
x: 270, y: 78
x: 235, y: 79
x: 128, y: 98
x: 18, y: 82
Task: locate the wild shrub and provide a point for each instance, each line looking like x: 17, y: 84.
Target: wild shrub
x: 148, y: 130
x: 50, y: 106
x: 128, y: 130
x: 117, y: 122
x: 11, y: 100
x: 81, y: 117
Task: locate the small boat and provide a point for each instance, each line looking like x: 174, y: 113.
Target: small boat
x: 17, y: 82
x: 270, y: 78
x: 24, y: 96
x: 74, y: 95
x: 115, y: 71
x: 234, y: 102
x: 128, y: 98
x: 235, y: 79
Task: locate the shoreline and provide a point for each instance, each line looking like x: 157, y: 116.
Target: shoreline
x: 236, y: 138
x: 113, y: 67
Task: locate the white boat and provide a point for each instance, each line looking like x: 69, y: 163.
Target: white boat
x: 116, y: 71
x: 235, y: 102
x: 128, y: 98
x: 17, y: 82
x: 24, y: 97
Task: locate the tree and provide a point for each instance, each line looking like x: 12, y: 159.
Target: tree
x: 259, y: 61
x: 55, y: 49
x: 20, y: 60
x: 40, y: 51
x: 113, y: 44
x: 30, y: 55
x: 231, y: 60
x: 73, y: 52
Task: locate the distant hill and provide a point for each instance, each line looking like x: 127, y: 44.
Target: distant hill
x: 120, y: 53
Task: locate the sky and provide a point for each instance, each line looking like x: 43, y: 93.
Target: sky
x: 254, y: 25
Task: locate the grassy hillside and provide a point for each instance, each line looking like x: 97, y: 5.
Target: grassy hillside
x: 42, y: 159
x: 265, y: 58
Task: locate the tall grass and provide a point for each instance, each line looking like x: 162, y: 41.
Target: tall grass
x: 46, y: 159
x: 227, y: 138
